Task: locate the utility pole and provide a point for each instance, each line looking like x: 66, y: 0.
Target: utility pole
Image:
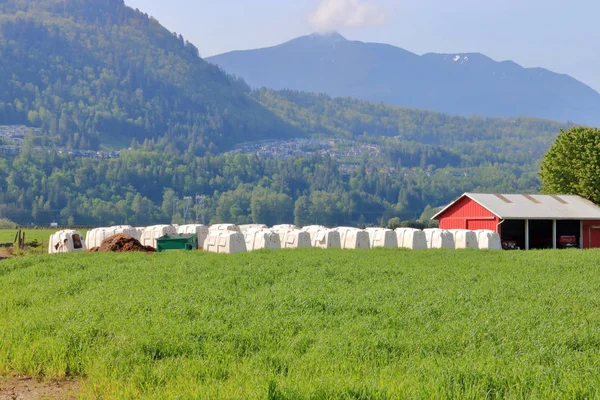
x: 175, y: 205
x: 187, y: 208
x: 200, y: 199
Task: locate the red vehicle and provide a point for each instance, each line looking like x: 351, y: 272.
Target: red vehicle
x: 567, y: 242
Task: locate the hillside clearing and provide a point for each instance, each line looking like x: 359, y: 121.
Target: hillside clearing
x: 307, y: 324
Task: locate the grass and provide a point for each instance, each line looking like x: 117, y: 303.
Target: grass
x: 307, y: 324
x: 8, y: 235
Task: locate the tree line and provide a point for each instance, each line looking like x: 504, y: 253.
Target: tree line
x: 142, y: 187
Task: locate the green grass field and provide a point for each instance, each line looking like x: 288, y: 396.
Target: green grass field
x: 8, y: 235
x: 308, y: 324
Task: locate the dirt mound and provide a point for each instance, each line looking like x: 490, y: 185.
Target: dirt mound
x: 122, y: 244
x: 4, y: 253
x: 22, y: 388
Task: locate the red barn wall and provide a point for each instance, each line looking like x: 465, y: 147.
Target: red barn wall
x: 591, y: 234
x: 467, y: 214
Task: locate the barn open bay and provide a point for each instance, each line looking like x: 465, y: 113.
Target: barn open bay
x: 385, y: 323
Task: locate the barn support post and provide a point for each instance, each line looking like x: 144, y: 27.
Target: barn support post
x: 581, y: 234
x: 526, y: 234
x: 554, y: 234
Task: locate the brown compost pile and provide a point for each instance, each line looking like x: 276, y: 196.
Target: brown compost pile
x: 121, y: 244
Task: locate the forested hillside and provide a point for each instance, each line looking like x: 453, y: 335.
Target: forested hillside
x: 96, y: 73
x: 477, y: 139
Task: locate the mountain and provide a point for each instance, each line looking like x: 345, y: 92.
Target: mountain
x: 96, y: 73
x: 93, y: 74
x: 461, y: 84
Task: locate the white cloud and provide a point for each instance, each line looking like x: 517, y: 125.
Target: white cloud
x: 332, y: 15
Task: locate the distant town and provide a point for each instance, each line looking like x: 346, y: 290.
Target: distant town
x: 346, y: 152
x: 303, y: 147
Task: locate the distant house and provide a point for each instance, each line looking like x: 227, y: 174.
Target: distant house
x: 527, y: 221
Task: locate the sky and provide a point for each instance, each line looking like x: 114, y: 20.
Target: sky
x: 558, y: 35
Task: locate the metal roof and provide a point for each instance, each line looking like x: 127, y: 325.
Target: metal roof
x: 534, y: 206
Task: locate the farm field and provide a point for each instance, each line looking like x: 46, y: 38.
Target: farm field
x: 8, y: 235
x: 307, y: 324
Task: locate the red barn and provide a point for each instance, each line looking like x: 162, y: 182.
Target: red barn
x: 527, y: 221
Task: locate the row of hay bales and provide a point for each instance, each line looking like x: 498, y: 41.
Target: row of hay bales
x: 228, y: 238
x: 231, y: 239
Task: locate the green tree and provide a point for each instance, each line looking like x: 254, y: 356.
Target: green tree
x: 394, y: 223
x: 572, y: 165
x: 7, y: 224
x: 428, y: 213
x: 301, y: 211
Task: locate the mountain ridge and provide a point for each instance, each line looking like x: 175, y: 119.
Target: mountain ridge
x: 102, y: 75
x: 457, y: 83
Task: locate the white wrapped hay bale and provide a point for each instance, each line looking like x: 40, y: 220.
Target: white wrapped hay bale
x: 294, y: 239
x: 225, y: 242
x: 313, y: 227
x: 128, y: 230
x: 439, y: 239
x: 313, y: 230
x: 66, y: 241
x: 194, y: 229
x: 224, y: 227
x: 353, y: 238
x: 152, y: 233
x: 140, y: 230
x: 286, y: 227
x: 488, y: 240
x: 380, y: 237
x: 282, y: 230
x: 464, y: 239
x: 257, y: 239
x: 326, y: 239
x: 410, y: 238
x: 95, y: 237
x: 247, y: 227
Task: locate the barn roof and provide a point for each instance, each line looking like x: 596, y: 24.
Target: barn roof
x: 534, y: 206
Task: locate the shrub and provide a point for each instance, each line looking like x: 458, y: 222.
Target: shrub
x: 7, y: 224
x: 394, y: 223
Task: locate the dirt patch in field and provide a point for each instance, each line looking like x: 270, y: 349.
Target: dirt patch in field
x: 21, y: 388
x: 4, y: 253
x: 122, y: 244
